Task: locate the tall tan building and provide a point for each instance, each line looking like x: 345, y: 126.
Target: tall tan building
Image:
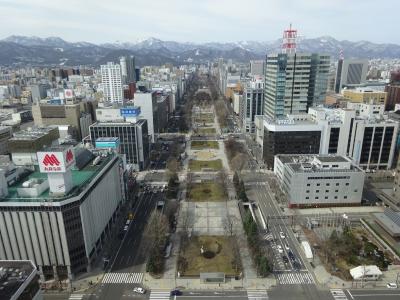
x: 365, y: 96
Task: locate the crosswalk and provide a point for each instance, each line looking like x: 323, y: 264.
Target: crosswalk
x: 338, y: 294
x: 159, y: 295
x: 76, y: 297
x: 295, y: 278
x: 123, y: 278
x: 257, y: 295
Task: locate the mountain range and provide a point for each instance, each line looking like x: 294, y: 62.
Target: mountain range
x: 53, y: 51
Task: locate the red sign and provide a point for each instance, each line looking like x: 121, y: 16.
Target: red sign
x: 69, y: 156
x: 51, y: 160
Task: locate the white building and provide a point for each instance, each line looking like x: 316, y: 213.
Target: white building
x: 350, y: 72
x: 237, y: 100
x: 111, y: 78
x: 366, y: 273
x: 148, y: 110
x: 319, y: 180
x: 252, y: 103
x: 58, y: 217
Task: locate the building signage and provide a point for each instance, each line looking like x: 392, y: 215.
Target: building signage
x: 56, y: 161
x: 130, y: 111
x: 69, y: 94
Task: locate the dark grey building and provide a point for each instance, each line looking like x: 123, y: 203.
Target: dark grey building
x: 133, y: 137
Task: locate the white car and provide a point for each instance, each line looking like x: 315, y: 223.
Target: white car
x: 287, y: 247
x: 279, y: 247
x: 126, y: 228
x: 391, y: 285
x: 282, y: 235
x: 139, y: 290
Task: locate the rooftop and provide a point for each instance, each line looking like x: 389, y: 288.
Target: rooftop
x: 80, y: 178
x: 13, y: 273
x: 331, y: 158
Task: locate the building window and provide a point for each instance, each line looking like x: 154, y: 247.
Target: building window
x: 347, y: 183
x: 308, y: 184
x: 326, y: 197
x: 326, y: 191
x: 337, y: 184
x: 336, y: 191
x: 317, y: 191
x: 307, y: 198
x: 316, y: 198
x: 318, y: 184
x: 355, y: 191
x: 328, y: 184
x: 307, y: 191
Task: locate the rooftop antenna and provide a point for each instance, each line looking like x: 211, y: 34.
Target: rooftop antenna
x: 289, y: 40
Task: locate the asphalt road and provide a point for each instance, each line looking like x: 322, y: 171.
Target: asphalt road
x: 131, y: 256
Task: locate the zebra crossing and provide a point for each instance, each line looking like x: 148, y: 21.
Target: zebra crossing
x: 338, y: 294
x: 159, y: 295
x: 295, y: 278
x: 76, y: 296
x: 123, y: 278
x: 257, y: 295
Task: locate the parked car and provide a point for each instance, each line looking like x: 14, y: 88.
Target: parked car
x: 282, y: 235
x: 287, y: 247
x: 391, y: 285
x: 285, y: 259
x: 139, y: 290
x: 279, y: 247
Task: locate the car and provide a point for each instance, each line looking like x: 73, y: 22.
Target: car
x: 285, y: 259
x: 176, y: 293
x: 125, y: 227
x: 279, y: 247
x: 282, y: 235
x: 287, y: 247
x: 391, y: 285
x: 128, y: 222
x: 291, y: 256
x: 139, y: 290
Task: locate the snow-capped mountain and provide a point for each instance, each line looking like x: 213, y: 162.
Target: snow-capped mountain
x: 54, y: 50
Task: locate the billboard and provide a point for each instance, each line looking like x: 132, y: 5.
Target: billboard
x: 69, y: 94
x: 56, y: 161
x: 107, y: 143
x: 130, y: 111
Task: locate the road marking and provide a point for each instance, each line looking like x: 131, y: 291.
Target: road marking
x: 159, y: 295
x: 257, y: 295
x: 338, y: 294
x: 123, y: 278
x: 350, y: 294
x: 295, y: 278
x: 76, y: 296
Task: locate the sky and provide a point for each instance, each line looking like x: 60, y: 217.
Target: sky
x: 101, y: 21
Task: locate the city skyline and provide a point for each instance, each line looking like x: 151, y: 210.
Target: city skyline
x: 188, y: 21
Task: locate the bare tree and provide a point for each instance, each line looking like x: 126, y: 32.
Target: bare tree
x: 229, y: 224
x: 173, y: 165
x: 157, y: 228
x: 239, y: 162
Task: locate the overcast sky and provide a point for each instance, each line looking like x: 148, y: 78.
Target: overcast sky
x: 200, y: 20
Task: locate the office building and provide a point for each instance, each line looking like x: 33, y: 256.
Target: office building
x: 59, y: 214
x: 295, y: 135
x: 294, y: 82
x: 251, y: 104
x: 39, y: 91
x: 237, y: 102
x: 111, y: 79
x: 5, y: 135
x: 365, y: 95
x: 389, y: 220
x: 393, y: 96
x: 361, y: 132
x: 19, y: 280
x: 257, y: 67
x: 147, y: 101
x: 132, y: 132
x: 396, y: 187
x: 78, y: 116
x: 319, y: 180
x: 24, y: 144
x: 128, y: 70
x: 350, y: 73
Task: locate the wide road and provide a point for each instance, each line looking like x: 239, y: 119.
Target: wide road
x: 128, y: 265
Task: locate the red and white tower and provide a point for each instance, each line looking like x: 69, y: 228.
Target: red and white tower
x: 289, y: 40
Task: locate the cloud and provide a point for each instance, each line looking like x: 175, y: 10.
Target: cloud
x: 198, y: 21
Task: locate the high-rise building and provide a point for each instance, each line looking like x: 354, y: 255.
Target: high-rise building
x: 111, y: 79
x: 128, y: 70
x: 251, y: 103
x: 393, y: 96
x: 350, y: 72
x: 396, y: 187
x: 294, y: 82
x: 257, y: 67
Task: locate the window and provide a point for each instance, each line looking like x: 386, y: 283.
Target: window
x: 316, y: 198
x: 345, y: 197
x: 328, y: 184
x: 355, y: 191
x: 307, y: 198
x: 318, y: 184
x: 326, y: 191
x: 335, y: 197
x: 308, y: 184
x: 317, y: 191
x: 347, y: 183
x: 336, y: 191
x: 337, y: 184
x: 326, y: 197
x: 307, y: 191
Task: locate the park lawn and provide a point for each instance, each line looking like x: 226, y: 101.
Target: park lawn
x: 224, y: 251
x: 198, y: 145
x: 208, y: 191
x: 197, y: 165
x: 209, y: 130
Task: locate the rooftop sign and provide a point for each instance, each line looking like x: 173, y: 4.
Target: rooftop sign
x: 56, y: 161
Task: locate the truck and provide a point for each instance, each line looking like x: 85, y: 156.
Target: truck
x: 307, y: 250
